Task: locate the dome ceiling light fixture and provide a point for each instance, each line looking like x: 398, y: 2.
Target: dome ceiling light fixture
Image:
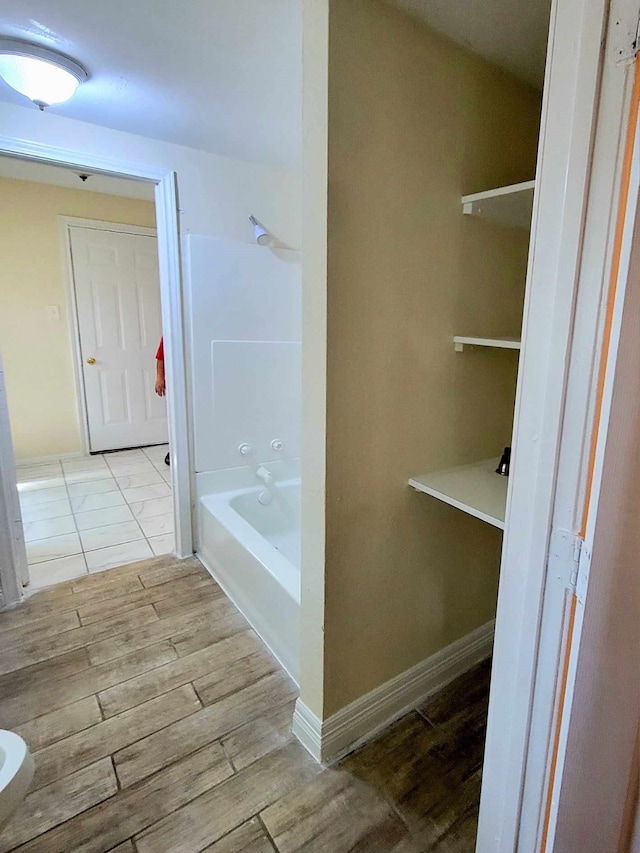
x: 42, y: 75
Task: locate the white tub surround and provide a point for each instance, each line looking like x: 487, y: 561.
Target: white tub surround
x: 250, y: 542
x: 247, y: 366
x: 246, y: 353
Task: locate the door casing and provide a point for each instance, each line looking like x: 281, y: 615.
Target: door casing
x: 575, y: 199
x: 171, y: 288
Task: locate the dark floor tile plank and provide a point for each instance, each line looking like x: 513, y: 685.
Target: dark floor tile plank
x: 37, y: 630
x: 111, y: 735
x: 111, y: 588
x: 108, y: 824
x: 57, y: 803
x: 200, y: 591
x: 451, y: 825
x: 248, y: 838
x: 47, y: 602
x: 414, y: 766
x: 51, y: 728
x: 161, y: 679
x: 465, y: 690
x: 57, y: 668
x: 127, y: 847
x: 95, y: 580
x: 156, y: 751
x: 262, y: 735
x: 457, y: 820
x: 235, y: 675
x: 24, y: 617
x: 42, y: 650
x: 217, y: 620
x: 335, y: 812
x: 169, y: 562
x: 45, y: 697
x: 174, y: 570
x: 95, y: 611
x: 33, y: 629
x: 214, y: 814
x: 461, y: 838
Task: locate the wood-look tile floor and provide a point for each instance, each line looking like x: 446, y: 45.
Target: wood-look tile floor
x: 159, y: 723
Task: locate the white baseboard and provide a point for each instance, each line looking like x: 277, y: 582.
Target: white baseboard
x: 44, y: 460
x: 333, y: 738
x: 307, y: 727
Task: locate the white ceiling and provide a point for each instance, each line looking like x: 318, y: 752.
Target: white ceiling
x: 221, y: 75
x: 510, y: 33
x: 23, y: 170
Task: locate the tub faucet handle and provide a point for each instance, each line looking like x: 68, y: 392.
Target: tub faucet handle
x: 245, y: 449
x: 276, y: 444
x: 265, y: 475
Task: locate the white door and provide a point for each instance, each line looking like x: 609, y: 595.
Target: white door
x: 117, y: 291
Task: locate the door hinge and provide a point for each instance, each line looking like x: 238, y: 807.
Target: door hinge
x: 565, y: 555
x: 578, y: 542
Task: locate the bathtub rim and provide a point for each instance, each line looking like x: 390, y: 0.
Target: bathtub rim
x: 282, y: 570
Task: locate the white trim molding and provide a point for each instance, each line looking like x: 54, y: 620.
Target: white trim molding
x: 512, y: 785
x: 175, y: 359
x: 106, y: 225
x: 350, y: 727
x: 168, y: 234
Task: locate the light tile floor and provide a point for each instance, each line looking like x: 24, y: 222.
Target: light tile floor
x: 93, y: 513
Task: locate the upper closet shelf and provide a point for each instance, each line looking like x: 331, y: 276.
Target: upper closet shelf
x: 475, y: 489
x: 460, y: 341
x: 510, y: 206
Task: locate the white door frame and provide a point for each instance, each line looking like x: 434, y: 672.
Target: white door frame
x: 564, y: 595
x: 171, y: 290
x: 599, y: 532
x: 13, y: 555
x: 617, y: 159
x: 516, y: 758
x: 65, y: 225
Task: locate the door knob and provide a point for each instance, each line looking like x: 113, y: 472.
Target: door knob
x: 91, y: 361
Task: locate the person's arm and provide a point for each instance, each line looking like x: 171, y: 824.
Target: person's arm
x: 161, y: 386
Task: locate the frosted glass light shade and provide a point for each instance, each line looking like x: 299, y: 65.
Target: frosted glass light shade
x: 39, y: 74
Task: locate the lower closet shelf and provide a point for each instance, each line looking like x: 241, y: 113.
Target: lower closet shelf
x: 475, y: 489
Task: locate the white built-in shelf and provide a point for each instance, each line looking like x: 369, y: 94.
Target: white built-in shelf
x: 510, y: 206
x: 460, y: 341
x: 475, y: 489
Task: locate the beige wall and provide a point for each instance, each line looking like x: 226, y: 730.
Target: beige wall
x: 36, y: 349
x: 414, y: 123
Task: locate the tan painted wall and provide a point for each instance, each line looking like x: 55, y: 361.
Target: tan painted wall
x: 37, y: 350
x: 414, y: 123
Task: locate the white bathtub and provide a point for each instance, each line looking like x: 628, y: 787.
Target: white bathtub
x: 253, y: 551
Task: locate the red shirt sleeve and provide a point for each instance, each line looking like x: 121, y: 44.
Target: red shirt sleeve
x: 160, y: 353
